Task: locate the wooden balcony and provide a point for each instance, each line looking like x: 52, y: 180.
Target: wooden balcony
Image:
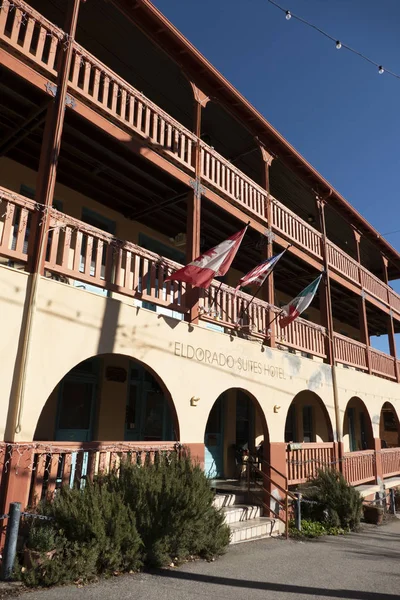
x: 77, y: 252
x: 26, y: 34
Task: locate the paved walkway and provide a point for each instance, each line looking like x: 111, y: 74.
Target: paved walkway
x: 363, y: 566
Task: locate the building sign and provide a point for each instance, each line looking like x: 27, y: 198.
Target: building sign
x: 227, y: 361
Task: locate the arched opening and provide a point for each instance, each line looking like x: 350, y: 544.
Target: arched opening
x: 357, y: 427
x: 308, y: 420
x: 389, y: 427
x: 109, y: 397
x: 236, y: 427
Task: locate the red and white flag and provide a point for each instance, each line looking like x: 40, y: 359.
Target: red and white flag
x: 213, y: 263
x: 299, y: 304
x: 258, y: 275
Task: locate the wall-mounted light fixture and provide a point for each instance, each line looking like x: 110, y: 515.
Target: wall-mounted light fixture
x: 276, y: 408
x: 194, y: 400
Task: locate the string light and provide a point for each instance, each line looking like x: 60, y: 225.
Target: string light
x: 339, y: 44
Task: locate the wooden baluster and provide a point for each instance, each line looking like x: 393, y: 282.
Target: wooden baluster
x: 131, y: 110
x: 106, y: 90
x: 118, y: 268
x: 40, y: 44
x: 109, y: 265
x: 123, y: 105
x: 96, y: 84
x: 8, y: 226
x: 88, y: 255
x: 66, y: 248
x: 21, y: 231
x: 169, y: 137
x: 38, y: 478
x: 188, y: 159
x: 26, y: 46
x: 128, y: 272
x: 52, y: 53
x: 86, y: 77
x: 145, y: 277
x: 53, y: 470
x: 76, y: 69
x: 147, y: 121
x: 182, y: 147
x: 160, y: 277
x: 162, y: 132
x: 55, y: 237
x: 4, y: 15
x: 16, y: 26
x: 136, y: 273
x: 114, y: 98
x: 98, y: 260
x: 66, y: 473
x: 77, y: 254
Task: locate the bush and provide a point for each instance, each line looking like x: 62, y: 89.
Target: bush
x: 337, y: 503
x: 173, y: 503
x: 151, y: 514
x: 93, y: 531
x: 313, y: 529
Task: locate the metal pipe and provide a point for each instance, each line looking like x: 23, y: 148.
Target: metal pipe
x: 10, y: 547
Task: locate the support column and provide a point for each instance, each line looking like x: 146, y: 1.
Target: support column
x: 391, y: 334
x: 268, y: 290
x: 45, y: 185
x: 362, y: 309
x: 327, y: 317
x: 51, y: 144
x: 194, y: 206
x: 378, y: 462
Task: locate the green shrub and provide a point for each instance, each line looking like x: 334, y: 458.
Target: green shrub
x: 175, y: 516
x: 93, y: 532
x: 336, y: 502
x: 313, y: 529
x: 151, y: 514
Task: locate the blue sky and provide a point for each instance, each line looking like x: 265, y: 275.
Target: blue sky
x: 331, y: 105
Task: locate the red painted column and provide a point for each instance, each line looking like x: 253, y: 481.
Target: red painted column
x: 362, y: 307
x: 278, y: 460
x: 378, y: 461
x: 194, y: 207
x: 51, y: 144
x: 268, y: 290
x: 391, y: 335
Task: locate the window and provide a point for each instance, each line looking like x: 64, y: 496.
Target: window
x: 290, y: 426
x: 308, y: 434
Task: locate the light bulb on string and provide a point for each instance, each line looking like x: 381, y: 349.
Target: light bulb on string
x: 381, y: 70
x: 338, y: 45
x: 288, y: 15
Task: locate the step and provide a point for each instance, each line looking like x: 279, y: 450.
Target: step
x: 241, y: 512
x: 222, y: 500
x: 255, y: 529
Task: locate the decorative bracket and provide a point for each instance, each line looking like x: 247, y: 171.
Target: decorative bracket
x: 51, y: 88
x: 197, y: 186
x: 269, y: 235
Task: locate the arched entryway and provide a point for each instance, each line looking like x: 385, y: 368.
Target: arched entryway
x: 109, y: 397
x: 308, y: 420
x: 357, y: 427
x: 389, y: 427
x: 236, y: 425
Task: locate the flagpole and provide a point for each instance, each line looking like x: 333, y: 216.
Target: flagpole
x: 259, y: 289
x: 270, y: 323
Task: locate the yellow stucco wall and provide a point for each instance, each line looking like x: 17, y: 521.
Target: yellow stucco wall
x: 72, y: 325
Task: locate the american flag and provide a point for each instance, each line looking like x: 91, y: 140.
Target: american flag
x: 258, y: 275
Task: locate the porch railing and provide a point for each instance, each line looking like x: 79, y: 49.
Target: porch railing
x: 303, y: 462
x: 350, y: 352
x: 390, y: 461
x: 359, y: 467
x: 39, y: 42
x: 38, y: 469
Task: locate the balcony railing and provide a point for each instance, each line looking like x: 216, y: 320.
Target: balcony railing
x: 359, y: 467
x: 304, y: 462
x: 39, y: 41
x: 78, y: 252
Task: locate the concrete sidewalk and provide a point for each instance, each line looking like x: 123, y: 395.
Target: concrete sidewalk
x: 364, y: 566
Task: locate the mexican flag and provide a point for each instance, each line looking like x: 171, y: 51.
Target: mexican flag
x: 299, y: 304
x: 213, y: 263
